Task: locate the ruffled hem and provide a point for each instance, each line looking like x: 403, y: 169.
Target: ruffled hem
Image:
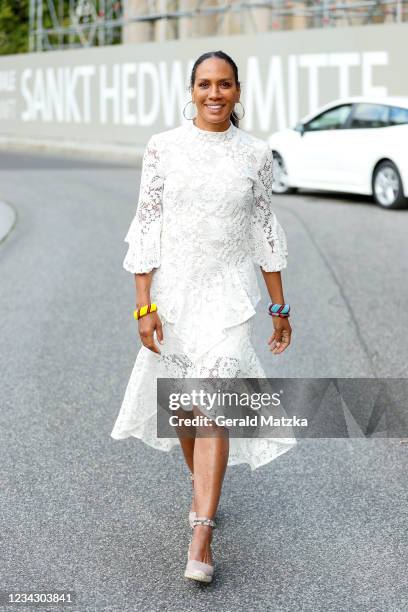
x: 143, y: 252
x: 138, y: 414
x: 242, y: 451
x: 199, y: 318
x: 270, y: 250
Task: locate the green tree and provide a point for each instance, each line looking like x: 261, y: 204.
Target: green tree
x: 14, y: 26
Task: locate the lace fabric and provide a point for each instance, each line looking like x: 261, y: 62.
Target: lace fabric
x: 143, y: 235
x: 181, y: 192
x: 268, y: 240
x: 203, y: 219
x: 233, y: 357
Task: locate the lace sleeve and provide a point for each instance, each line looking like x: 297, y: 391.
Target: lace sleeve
x: 267, y: 238
x: 143, y: 236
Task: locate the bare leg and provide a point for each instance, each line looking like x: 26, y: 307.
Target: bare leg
x: 211, y: 451
x: 186, y: 435
x: 187, y: 446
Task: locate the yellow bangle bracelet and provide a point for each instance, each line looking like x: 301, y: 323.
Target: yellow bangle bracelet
x: 144, y: 310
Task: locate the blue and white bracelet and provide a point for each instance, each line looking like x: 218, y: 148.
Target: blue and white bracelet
x: 279, y: 310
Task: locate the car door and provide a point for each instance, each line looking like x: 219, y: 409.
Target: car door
x: 362, y: 143
x: 317, y: 158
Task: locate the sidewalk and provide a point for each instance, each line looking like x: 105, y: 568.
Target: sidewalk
x: 97, y: 150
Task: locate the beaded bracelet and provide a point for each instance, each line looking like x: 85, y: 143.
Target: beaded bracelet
x: 279, y: 310
x: 144, y: 310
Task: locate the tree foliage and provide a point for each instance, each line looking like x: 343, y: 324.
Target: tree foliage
x: 14, y: 25
x: 14, y: 15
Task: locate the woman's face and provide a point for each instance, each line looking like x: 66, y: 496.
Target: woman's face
x: 214, y: 93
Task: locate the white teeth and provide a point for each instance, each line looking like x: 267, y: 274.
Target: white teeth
x: 214, y: 106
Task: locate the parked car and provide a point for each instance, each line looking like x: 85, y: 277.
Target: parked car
x: 356, y: 145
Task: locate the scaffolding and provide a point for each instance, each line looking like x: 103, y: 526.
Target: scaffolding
x: 67, y: 24
x: 62, y: 24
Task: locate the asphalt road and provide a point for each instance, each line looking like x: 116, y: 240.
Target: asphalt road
x: 322, y: 528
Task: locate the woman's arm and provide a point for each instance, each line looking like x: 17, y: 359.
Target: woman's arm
x: 150, y: 322
x: 273, y: 283
x: 143, y: 237
x: 281, y: 336
x: 143, y: 283
x: 268, y: 246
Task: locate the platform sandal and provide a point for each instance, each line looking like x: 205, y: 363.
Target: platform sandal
x: 197, y: 570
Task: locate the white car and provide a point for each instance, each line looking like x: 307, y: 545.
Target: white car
x: 357, y: 145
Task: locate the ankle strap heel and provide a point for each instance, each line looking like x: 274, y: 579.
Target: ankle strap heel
x: 204, y: 521
x: 197, y: 570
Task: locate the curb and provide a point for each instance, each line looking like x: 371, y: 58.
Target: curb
x: 8, y: 220
x: 98, y: 150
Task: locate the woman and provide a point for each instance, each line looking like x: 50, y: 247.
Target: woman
x: 203, y: 220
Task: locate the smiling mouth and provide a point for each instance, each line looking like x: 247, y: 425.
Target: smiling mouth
x: 215, y: 106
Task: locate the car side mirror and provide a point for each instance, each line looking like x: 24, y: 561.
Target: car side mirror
x: 300, y: 128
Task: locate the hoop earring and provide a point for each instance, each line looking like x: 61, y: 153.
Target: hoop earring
x: 189, y: 118
x: 243, y: 114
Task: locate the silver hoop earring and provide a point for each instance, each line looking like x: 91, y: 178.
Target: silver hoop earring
x: 243, y: 109
x: 189, y: 118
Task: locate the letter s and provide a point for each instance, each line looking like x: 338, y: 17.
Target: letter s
x: 25, y: 75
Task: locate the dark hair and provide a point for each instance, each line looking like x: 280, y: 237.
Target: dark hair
x: 221, y: 55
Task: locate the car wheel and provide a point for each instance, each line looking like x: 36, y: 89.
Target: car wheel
x: 280, y: 183
x: 387, y: 186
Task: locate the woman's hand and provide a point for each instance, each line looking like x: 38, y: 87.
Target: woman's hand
x: 147, y: 324
x: 280, y: 339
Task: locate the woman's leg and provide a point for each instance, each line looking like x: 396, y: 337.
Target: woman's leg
x: 211, y: 451
x: 186, y: 435
x: 187, y: 446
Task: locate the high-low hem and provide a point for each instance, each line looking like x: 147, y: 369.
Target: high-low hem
x: 138, y: 415
x: 169, y: 444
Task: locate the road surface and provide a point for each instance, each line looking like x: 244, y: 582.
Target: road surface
x: 322, y: 528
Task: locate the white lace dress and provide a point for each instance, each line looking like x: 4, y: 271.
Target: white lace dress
x: 203, y: 220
